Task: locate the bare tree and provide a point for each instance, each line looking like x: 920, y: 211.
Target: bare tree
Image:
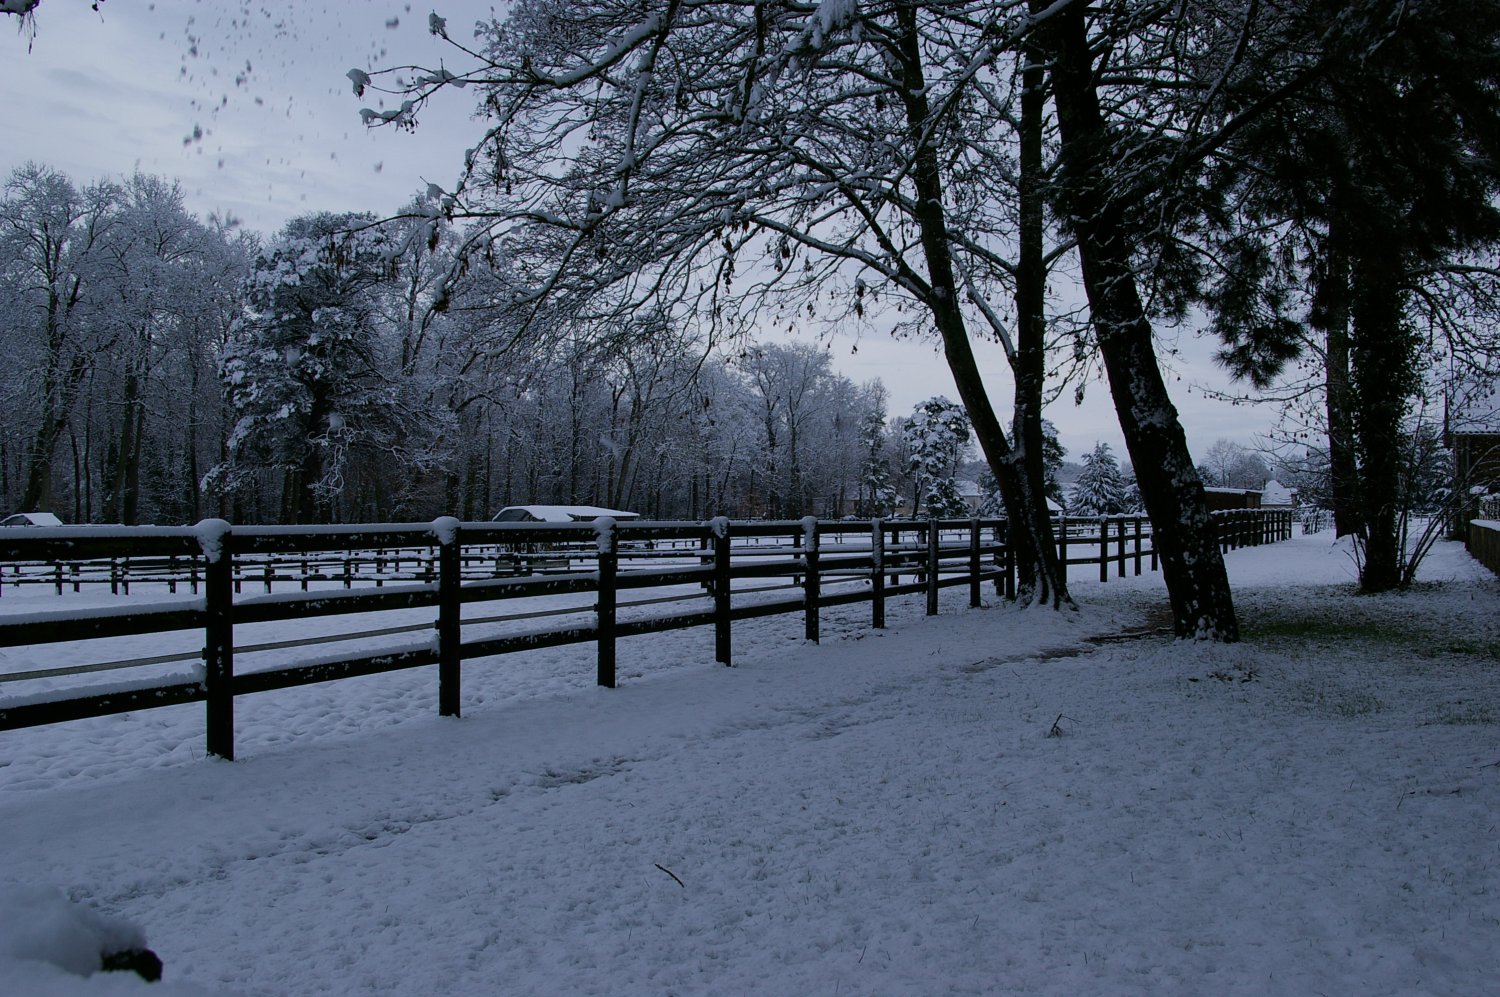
x: 50, y: 239
x: 744, y: 161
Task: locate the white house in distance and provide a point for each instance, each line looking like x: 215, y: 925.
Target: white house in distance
x: 560, y: 514
x: 1277, y: 496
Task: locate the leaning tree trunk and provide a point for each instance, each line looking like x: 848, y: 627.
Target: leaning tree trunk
x: 1030, y: 526
x: 1183, y: 533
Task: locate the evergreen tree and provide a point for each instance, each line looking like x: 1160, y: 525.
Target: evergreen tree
x: 1381, y: 172
x: 1100, y: 489
x: 937, y: 435
x: 304, y: 369
x: 1053, y: 453
x: 1133, y: 502
x: 877, y: 487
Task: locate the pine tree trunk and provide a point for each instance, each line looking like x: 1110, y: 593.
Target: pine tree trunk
x: 1382, y: 351
x: 1332, y: 317
x: 1192, y: 566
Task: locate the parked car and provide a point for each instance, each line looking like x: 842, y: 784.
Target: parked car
x: 560, y: 514
x: 31, y: 519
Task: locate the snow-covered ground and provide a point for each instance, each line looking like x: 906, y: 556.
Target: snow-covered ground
x: 1309, y: 811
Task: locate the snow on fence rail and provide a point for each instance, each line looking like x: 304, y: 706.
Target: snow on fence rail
x: 451, y: 564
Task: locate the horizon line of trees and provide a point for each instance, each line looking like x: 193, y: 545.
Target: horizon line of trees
x: 163, y: 369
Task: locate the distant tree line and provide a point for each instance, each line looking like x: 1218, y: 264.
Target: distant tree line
x: 162, y: 368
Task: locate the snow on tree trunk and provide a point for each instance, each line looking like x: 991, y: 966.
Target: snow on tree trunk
x: 1192, y: 566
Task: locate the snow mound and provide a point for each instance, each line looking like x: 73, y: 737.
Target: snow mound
x: 51, y: 947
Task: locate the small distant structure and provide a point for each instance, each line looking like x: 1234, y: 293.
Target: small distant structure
x: 560, y: 514
x: 1223, y: 499
x: 971, y: 493
x: 31, y: 519
x: 1278, y: 496
x: 1472, y: 431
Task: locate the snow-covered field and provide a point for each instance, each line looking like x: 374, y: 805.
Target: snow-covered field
x: 1310, y: 811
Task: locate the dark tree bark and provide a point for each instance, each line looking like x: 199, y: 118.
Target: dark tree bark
x: 1031, y: 528
x: 1331, y: 317
x: 1382, y: 360
x: 1029, y: 363
x: 1192, y: 566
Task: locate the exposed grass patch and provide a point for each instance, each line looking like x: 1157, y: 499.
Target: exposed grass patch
x: 1392, y: 622
x: 1351, y: 656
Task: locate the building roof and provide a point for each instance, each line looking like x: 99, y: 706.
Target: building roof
x: 1275, y: 493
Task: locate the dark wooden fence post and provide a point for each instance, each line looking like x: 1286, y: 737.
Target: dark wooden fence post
x: 1138, y: 545
x: 1120, y: 546
x: 1104, y: 547
x: 895, y: 576
x: 1062, y: 542
x: 450, y: 609
x: 932, y: 567
x: 812, y: 588
x: 214, y: 536
x: 974, y: 565
x: 720, y: 527
x: 609, y: 571
x: 1009, y: 553
x: 877, y: 574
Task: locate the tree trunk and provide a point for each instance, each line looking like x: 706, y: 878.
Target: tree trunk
x: 1382, y: 351
x: 125, y: 476
x: 1331, y: 316
x: 1029, y: 363
x: 1031, y: 530
x: 1192, y: 566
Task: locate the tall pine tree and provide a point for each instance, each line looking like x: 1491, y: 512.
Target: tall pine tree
x: 1100, y: 490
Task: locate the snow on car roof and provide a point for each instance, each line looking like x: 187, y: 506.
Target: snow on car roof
x: 31, y: 519
x: 559, y: 513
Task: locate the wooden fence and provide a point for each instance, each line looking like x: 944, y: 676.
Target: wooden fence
x: 446, y: 565
x: 1484, y: 543
x: 602, y: 559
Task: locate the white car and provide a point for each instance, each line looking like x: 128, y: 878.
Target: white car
x: 31, y: 519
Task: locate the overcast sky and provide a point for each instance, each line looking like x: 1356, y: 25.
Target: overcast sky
x: 247, y: 104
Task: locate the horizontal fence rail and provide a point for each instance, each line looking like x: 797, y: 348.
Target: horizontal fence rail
x: 734, y: 571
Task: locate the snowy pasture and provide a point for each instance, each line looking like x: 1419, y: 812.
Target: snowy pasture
x: 988, y: 801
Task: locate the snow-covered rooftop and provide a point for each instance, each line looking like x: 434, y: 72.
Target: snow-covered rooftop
x: 1275, y: 493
